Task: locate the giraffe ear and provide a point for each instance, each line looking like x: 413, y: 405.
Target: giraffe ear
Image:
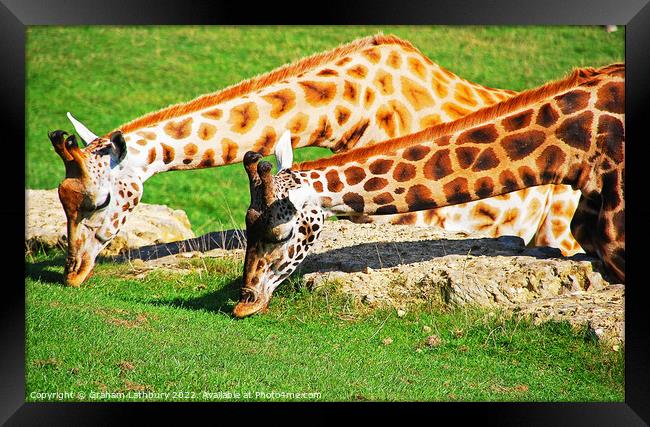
x: 87, y: 136
x: 119, y: 145
x: 284, y: 151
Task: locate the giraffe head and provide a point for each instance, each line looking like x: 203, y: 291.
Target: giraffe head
x: 283, y: 221
x: 93, y: 195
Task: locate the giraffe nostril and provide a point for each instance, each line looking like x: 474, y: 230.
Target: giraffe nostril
x: 248, y: 295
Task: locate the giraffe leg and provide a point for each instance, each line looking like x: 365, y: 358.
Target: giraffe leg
x: 555, y: 227
x: 585, y: 221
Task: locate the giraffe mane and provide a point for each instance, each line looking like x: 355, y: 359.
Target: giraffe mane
x: 577, y: 77
x: 261, y: 81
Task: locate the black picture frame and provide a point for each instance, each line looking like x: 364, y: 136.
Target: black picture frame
x: 16, y: 15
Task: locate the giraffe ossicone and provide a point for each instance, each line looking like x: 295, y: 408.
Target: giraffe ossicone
x: 369, y: 90
x: 573, y: 133
x: 87, y: 136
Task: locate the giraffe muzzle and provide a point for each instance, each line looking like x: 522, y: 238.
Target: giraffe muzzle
x: 251, y: 302
x: 77, y: 270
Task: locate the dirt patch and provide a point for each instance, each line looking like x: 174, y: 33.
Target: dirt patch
x: 123, y: 318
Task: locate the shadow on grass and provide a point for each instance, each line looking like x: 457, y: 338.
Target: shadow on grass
x: 226, y: 239
x: 43, y: 271
x: 219, y: 301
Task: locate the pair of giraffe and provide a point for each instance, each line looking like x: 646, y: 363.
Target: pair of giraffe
x: 366, y: 91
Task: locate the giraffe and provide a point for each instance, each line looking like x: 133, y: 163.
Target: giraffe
x: 569, y: 132
x: 369, y: 90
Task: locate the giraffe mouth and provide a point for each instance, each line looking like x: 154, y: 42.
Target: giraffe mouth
x: 250, y: 303
x: 77, y: 271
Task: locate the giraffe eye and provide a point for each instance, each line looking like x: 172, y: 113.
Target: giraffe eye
x: 272, y: 239
x: 102, y: 205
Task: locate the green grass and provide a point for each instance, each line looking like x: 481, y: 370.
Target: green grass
x: 173, y: 332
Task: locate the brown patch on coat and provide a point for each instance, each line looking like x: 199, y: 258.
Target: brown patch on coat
x: 415, y: 94
x: 380, y: 166
x: 334, y: 183
x: 179, y: 130
x: 298, y: 123
x: 281, y: 101
x: 190, y: 149
x: 547, y: 116
x: 430, y: 120
x: 454, y: 111
x: 384, y: 81
x: 463, y: 94
x: 520, y: 145
x: 485, y: 134
x: 394, y: 59
x: 208, y: 159
x: 573, y: 101
x: 375, y: 184
x: 322, y: 133
x: 549, y: 161
x: 354, y: 201
x: 508, y: 181
x: 466, y: 156
x: 415, y: 153
x: 404, y: 172
x: 352, y: 136
x: 385, y: 120
x: 486, y: 160
x: 438, y: 166
x: 342, y: 114
x: 206, y: 131
x: 350, y: 91
x: 456, y: 191
x: 405, y: 219
x: 318, y: 93
x: 383, y: 198
x: 419, y: 197
x: 576, y: 131
x: 243, y: 117
x: 358, y: 71
x: 439, y: 88
x: 151, y: 157
x: 266, y: 141
x: 373, y: 55
x: 354, y: 175
x: 403, y: 116
x: 417, y: 67
x: 368, y: 97
x: 517, y: 121
x: 611, y: 97
x: 327, y: 72
x: 228, y: 150
x: 611, y: 137
x: 214, y: 114
x: 167, y: 153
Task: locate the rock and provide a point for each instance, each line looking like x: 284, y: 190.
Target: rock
x: 401, y: 313
x: 147, y: 225
x: 399, y: 264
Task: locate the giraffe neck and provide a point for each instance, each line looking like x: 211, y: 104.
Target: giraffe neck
x: 556, y: 134
x: 369, y: 90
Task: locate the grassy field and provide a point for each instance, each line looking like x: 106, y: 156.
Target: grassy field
x: 172, y: 331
